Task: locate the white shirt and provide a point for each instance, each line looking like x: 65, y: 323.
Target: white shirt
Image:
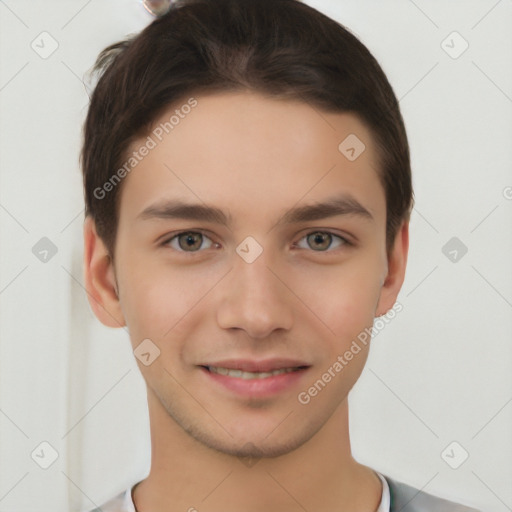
x: 123, y: 502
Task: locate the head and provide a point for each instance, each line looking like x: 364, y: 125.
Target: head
x: 256, y: 112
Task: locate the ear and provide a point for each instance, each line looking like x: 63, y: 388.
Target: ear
x: 100, y: 281
x: 397, y: 262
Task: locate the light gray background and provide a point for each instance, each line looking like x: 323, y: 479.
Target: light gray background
x: 439, y: 373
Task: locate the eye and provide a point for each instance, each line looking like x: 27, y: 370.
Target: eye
x: 323, y: 240
x: 194, y: 241
x: 188, y: 241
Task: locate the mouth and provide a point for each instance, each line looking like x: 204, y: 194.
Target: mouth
x: 256, y: 379
x: 249, y: 375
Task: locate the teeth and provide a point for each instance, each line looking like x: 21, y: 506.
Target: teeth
x: 248, y: 375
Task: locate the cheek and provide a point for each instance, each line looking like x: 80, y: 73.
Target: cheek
x: 156, y: 297
x: 142, y: 296
x: 345, y: 300
x: 346, y: 303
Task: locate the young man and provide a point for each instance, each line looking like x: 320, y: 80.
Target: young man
x: 248, y: 192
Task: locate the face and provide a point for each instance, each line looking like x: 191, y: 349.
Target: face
x: 251, y: 252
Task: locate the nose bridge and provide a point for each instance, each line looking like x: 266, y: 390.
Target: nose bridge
x: 254, y: 299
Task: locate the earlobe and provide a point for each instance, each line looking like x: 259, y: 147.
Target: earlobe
x: 397, y: 263
x: 99, y: 278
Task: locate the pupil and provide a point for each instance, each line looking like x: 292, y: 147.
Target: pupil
x: 322, y: 239
x: 192, y: 241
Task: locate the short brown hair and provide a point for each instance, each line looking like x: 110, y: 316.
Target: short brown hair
x: 281, y: 48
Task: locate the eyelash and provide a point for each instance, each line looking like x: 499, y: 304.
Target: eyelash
x: 166, y: 242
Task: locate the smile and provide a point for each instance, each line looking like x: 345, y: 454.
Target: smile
x: 255, y: 379
x: 249, y: 375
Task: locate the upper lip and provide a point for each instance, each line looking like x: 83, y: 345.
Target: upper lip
x: 251, y: 365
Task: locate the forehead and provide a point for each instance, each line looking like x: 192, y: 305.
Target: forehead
x: 242, y: 150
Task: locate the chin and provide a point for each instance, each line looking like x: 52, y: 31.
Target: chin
x: 253, y: 447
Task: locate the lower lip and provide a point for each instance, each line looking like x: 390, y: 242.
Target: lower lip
x: 257, y: 387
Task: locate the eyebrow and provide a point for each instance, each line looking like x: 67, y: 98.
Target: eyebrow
x: 178, y: 209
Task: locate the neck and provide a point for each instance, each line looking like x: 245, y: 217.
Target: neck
x: 320, y: 475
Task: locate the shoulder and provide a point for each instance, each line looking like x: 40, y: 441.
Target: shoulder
x: 405, y: 498
x: 120, y: 503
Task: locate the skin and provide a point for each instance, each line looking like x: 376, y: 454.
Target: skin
x: 253, y: 157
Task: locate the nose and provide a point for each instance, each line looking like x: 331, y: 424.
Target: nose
x: 255, y: 298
